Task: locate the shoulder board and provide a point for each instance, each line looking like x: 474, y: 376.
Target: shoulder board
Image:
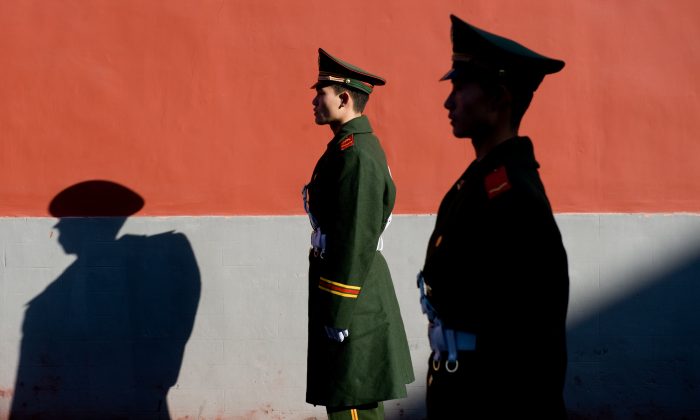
x: 496, y: 182
x: 347, y: 142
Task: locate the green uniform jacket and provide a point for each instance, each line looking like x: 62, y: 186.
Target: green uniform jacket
x: 496, y: 267
x: 351, y: 196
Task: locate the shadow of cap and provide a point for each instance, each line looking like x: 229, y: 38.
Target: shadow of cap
x: 96, y: 198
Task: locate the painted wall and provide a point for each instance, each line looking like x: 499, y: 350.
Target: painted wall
x: 633, y: 328
x: 203, y: 106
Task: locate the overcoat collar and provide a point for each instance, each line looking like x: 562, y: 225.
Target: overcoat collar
x: 517, y: 150
x: 354, y: 126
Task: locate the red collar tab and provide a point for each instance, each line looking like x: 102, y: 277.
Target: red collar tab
x: 497, y: 182
x: 349, y: 141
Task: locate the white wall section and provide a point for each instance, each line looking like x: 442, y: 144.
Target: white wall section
x: 634, y: 332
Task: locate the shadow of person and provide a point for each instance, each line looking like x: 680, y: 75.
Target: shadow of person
x: 106, y: 339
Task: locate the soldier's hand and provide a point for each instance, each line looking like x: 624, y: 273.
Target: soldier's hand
x: 336, y: 334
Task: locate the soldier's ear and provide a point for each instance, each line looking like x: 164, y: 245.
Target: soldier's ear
x: 501, y: 97
x: 344, y: 99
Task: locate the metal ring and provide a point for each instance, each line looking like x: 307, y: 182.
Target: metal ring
x: 436, y: 368
x: 447, y: 366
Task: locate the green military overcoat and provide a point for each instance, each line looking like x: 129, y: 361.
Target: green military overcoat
x: 351, y: 196
x: 496, y: 267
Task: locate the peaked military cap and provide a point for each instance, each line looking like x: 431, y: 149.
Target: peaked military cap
x: 475, y: 50
x: 331, y: 69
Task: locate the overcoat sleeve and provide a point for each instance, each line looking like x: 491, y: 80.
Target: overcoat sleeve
x: 528, y: 287
x: 351, y: 236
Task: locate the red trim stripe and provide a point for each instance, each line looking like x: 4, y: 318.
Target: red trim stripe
x: 339, y: 289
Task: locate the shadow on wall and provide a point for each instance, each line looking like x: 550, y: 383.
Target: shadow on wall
x: 640, y: 358
x: 107, y: 337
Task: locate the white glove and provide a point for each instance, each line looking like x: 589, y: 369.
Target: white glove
x: 336, y: 334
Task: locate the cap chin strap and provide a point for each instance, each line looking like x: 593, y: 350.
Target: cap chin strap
x: 465, y: 58
x: 357, y: 84
x: 333, y: 79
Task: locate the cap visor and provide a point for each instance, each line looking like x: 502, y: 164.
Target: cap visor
x: 448, y: 75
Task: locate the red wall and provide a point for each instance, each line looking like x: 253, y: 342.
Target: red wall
x: 204, y: 107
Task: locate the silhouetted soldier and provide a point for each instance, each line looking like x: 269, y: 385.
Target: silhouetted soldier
x: 106, y: 339
x: 495, y: 275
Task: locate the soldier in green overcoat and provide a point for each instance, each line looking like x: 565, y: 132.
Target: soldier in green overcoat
x: 358, y: 354
x: 495, y: 280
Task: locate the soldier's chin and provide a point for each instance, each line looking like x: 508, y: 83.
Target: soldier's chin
x: 460, y: 134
